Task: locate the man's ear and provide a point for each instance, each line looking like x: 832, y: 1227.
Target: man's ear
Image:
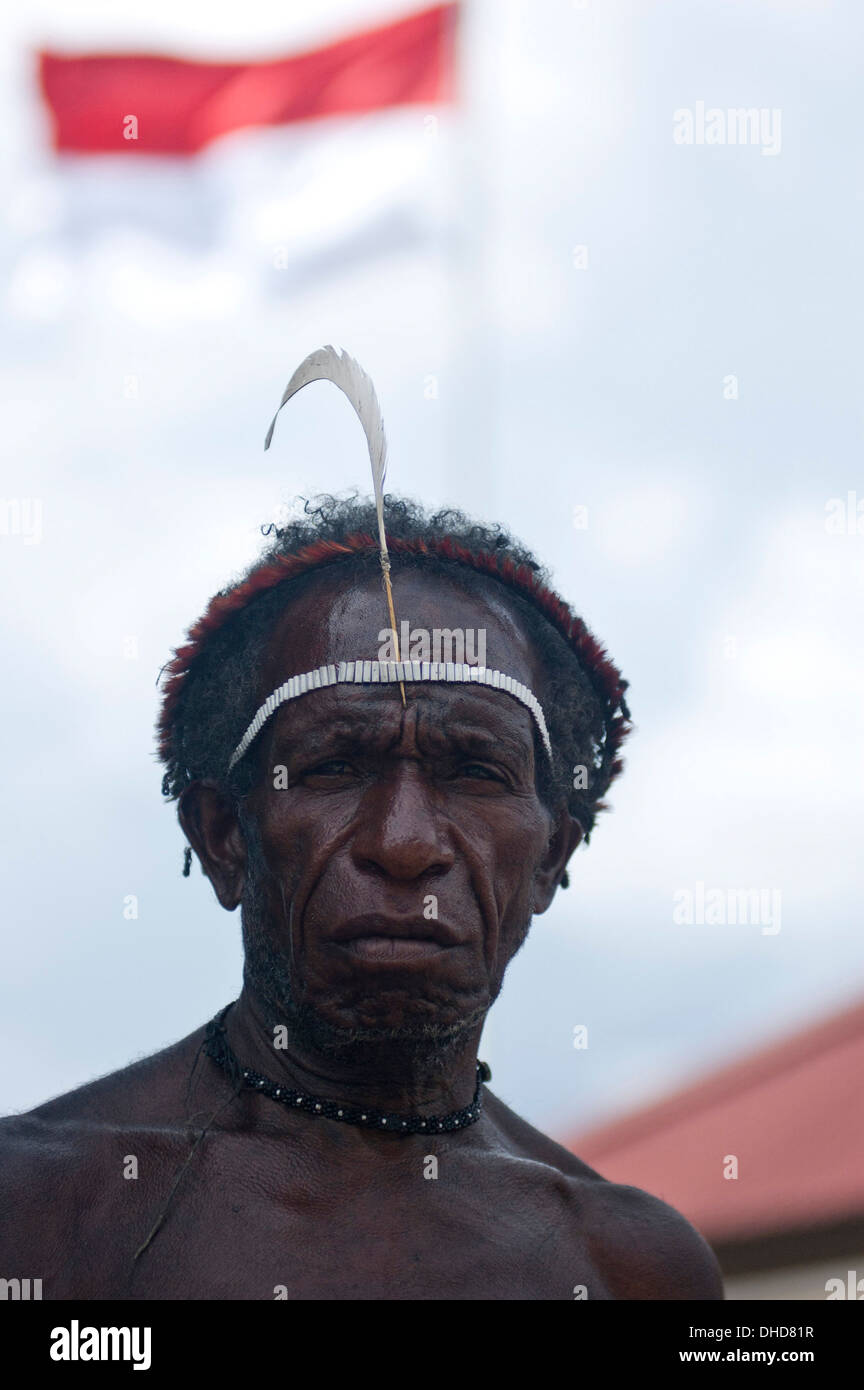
x: 566, y: 835
x: 209, y: 820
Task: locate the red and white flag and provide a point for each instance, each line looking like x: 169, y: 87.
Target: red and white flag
x: 141, y: 104
x: 262, y: 173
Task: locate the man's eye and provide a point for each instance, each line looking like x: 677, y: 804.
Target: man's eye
x: 334, y: 767
x: 479, y: 771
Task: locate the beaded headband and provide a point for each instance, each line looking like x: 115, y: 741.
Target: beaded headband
x: 389, y: 672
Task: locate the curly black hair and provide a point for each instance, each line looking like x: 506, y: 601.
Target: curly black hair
x: 220, y: 691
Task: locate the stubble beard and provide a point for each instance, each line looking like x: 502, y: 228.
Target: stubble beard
x: 269, y: 976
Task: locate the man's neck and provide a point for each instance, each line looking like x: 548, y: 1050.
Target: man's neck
x: 389, y: 1076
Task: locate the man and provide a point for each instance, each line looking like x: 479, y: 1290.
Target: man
x: 388, y: 831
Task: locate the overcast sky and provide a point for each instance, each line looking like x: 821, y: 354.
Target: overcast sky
x: 665, y: 334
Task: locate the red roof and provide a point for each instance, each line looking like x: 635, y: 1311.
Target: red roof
x: 791, y: 1113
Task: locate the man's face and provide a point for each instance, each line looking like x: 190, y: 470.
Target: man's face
x: 394, y: 851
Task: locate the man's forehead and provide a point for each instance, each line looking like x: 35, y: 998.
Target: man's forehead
x: 337, y: 620
x: 373, y: 713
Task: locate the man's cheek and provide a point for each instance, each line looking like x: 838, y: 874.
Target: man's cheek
x: 290, y: 848
x: 516, y: 856
x: 515, y: 873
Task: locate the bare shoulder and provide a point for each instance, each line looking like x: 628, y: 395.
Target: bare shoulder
x: 150, y: 1091
x: 37, y: 1158
x: 46, y: 1178
x: 641, y: 1247
x: 58, y: 1160
x: 646, y: 1249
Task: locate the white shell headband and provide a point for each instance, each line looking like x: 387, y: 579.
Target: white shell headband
x: 389, y: 672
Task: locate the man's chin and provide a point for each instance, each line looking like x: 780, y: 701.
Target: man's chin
x: 359, y: 1041
x: 389, y: 1024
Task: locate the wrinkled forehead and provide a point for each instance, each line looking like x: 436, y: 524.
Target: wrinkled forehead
x: 439, y: 718
x: 336, y: 620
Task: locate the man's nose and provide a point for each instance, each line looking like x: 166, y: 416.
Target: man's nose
x: 400, y: 833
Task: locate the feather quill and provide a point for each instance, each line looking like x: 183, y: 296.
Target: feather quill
x: 326, y: 364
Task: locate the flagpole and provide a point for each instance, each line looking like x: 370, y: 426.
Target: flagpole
x: 472, y: 415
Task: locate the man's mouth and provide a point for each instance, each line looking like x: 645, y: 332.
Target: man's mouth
x: 393, y: 940
x: 392, y: 950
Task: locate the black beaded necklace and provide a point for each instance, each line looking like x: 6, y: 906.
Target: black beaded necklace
x: 217, y: 1047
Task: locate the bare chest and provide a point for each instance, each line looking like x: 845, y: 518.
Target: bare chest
x: 242, y: 1225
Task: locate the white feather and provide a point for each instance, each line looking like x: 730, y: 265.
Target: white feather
x: 326, y: 364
